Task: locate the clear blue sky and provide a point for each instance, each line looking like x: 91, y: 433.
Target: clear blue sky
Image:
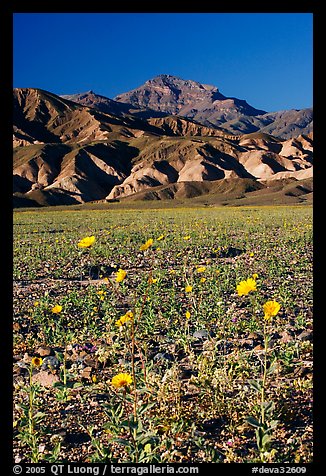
x: 264, y: 58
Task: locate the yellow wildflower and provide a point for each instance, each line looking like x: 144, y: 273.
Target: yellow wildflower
x: 125, y: 318
x: 186, y: 237
x: 152, y: 280
x: 121, y: 380
x: 121, y: 274
x: 244, y: 287
x: 56, y: 309
x: 146, y: 245
x: 86, y: 242
x: 36, y: 303
x: 271, y: 309
x: 202, y: 280
x: 188, y: 289
x: 255, y: 276
x: 160, y: 238
x: 37, y: 361
x: 201, y: 269
x: 187, y: 314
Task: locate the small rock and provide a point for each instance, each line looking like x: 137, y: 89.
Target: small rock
x: 44, y: 351
x: 245, y: 342
x: 91, y: 362
x: 212, y: 425
x: 41, y: 448
x: 305, y: 335
x: 259, y: 347
x: 286, y: 337
x: 50, y: 362
x: 163, y: 356
x: 75, y: 438
x: 27, y: 359
x: 254, y: 335
x: 302, y: 371
x: 201, y: 334
x: 44, y: 378
x: 86, y: 372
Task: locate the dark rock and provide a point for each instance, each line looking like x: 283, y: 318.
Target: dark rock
x: 230, y: 252
x: 94, y: 272
x: 302, y: 371
x: 212, y: 425
x: 186, y: 374
x: 306, y: 335
x: 50, y: 362
x: 91, y: 362
x: 163, y: 356
x: 76, y: 438
x: 201, y: 334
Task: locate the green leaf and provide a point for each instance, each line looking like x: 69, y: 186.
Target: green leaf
x: 265, y: 442
x: 272, y: 367
x: 253, y: 422
x: 121, y: 441
x: 268, y: 407
x: 273, y: 424
x: 148, y: 448
x: 255, y: 384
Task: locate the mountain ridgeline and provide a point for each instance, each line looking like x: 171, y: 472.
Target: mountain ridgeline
x: 168, y: 139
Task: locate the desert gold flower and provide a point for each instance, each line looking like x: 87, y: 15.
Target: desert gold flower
x: 121, y: 380
x: 244, y: 287
x: 37, y: 361
x: 271, y: 309
x: 146, y: 245
x: 255, y: 276
x: 152, y: 280
x: 121, y: 274
x: 201, y: 269
x: 36, y: 303
x: 188, y: 289
x: 160, y: 237
x: 202, y: 280
x: 125, y: 318
x: 172, y: 271
x: 56, y: 309
x: 187, y: 315
x: 186, y: 237
x: 86, y: 242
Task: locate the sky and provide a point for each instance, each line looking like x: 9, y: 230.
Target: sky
x: 264, y: 58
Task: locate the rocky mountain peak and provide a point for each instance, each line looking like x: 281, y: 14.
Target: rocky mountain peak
x: 176, y: 82
x: 170, y: 94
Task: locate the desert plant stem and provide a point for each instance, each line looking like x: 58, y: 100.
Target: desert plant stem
x: 264, y: 375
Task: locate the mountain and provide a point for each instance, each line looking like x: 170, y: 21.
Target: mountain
x: 205, y: 104
x: 66, y: 153
x: 109, y: 106
x: 188, y: 98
